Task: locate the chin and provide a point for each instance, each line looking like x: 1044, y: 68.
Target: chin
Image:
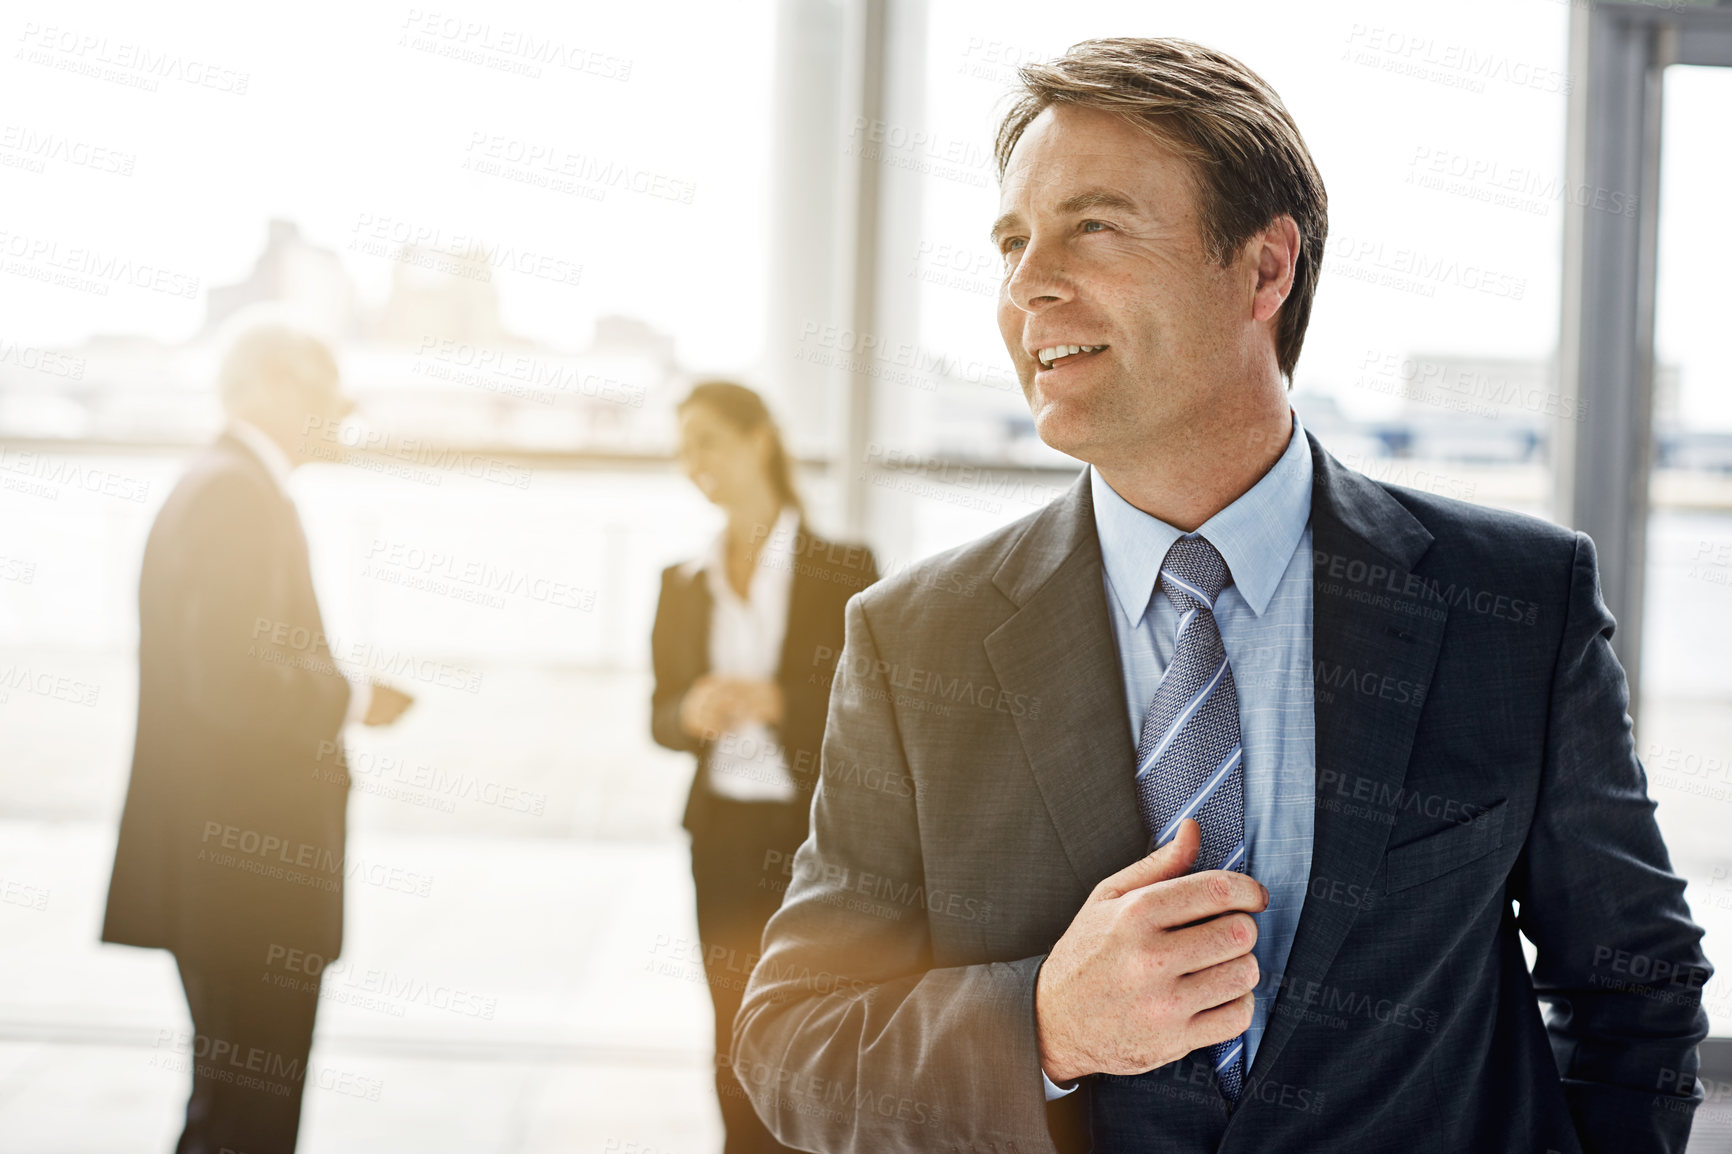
x: 1065, y: 428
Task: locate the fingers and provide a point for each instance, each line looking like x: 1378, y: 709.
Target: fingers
x: 1170, y: 861
x: 1199, y: 896
x: 1220, y: 939
x: 708, y: 706
x: 700, y: 716
x: 1221, y: 1023
x: 727, y: 701
x: 1221, y: 984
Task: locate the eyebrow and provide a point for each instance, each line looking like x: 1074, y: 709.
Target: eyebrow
x: 1069, y: 206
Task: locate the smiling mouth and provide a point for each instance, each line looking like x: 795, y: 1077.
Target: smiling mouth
x: 1065, y: 354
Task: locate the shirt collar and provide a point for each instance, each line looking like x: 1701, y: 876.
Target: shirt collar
x: 780, y: 543
x: 1255, y: 535
x: 269, y: 453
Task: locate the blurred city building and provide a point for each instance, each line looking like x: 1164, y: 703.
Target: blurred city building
x: 433, y: 362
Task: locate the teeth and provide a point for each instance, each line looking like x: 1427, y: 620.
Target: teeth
x: 1048, y: 356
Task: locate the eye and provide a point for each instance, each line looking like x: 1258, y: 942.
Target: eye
x: 1014, y: 243
x: 1087, y: 223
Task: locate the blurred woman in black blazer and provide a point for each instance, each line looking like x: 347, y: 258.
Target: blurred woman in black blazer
x: 745, y: 644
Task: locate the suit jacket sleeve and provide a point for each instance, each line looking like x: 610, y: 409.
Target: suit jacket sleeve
x: 250, y: 664
x: 670, y: 647
x: 848, y: 1040
x: 1618, y: 956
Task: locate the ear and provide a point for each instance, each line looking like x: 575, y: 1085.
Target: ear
x: 1277, y: 255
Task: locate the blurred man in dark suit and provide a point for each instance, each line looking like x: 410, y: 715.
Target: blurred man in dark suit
x: 231, y: 842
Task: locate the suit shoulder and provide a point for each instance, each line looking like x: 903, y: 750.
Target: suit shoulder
x: 956, y: 579
x: 1485, y: 539
x: 216, y: 486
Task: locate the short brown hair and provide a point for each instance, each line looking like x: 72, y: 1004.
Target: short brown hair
x: 1248, y: 162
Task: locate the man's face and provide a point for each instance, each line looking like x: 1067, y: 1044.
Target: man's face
x: 1102, y: 246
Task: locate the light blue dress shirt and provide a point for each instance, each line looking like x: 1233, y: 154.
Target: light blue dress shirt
x: 1264, y: 616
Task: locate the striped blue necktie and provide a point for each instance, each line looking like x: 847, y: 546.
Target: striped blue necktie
x: 1189, y: 761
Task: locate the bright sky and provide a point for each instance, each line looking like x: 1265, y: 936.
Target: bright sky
x: 358, y: 114
x: 343, y: 119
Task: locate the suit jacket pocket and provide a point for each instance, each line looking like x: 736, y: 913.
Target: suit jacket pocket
x: 1447, y: 849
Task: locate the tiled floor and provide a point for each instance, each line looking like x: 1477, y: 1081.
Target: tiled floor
x: 588, y: 1044
x: 558, y: 921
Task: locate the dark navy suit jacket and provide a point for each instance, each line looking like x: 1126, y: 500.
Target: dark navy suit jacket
x: 1476, y: 781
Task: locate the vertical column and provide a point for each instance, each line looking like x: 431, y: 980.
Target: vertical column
x: 807, y: 264
x: 870, y: 40
x: 1602, y: 450
x: 848, y: 73
x: 887, y: 145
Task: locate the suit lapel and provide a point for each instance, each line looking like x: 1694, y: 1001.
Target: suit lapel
x: 802, y: 604
x: 699, y: 610
x: 1058, y: 649
x: 1365, y: 545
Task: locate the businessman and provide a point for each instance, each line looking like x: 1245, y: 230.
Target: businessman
x: 1236, y: 782
x: 232, y: 837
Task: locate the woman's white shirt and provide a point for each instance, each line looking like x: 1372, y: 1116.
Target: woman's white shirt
x: 746, y: 637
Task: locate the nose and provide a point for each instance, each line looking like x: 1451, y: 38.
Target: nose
x: 1038, y: 281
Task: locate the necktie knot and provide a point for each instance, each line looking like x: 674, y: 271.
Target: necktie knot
x: 1194, y: 573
